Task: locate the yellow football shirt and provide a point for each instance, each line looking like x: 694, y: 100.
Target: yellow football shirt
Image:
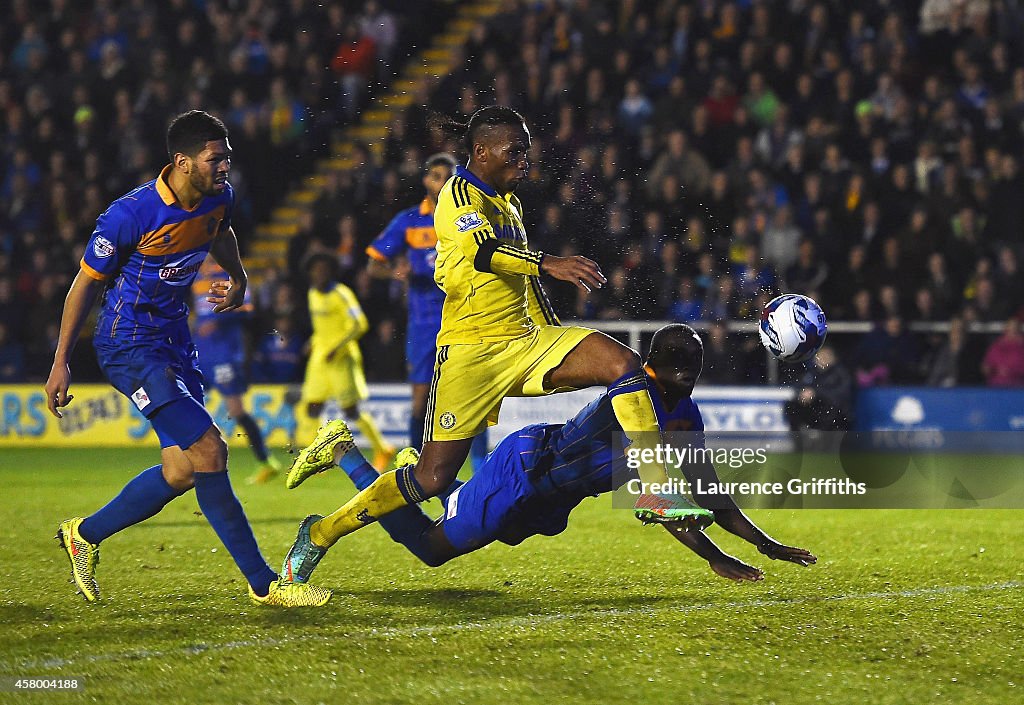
x: 489, y: 277
x: 338, y: 320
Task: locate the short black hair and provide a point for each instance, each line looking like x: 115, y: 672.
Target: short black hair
x: 440, y: 159
x: 189, y: 132
x: 484, y: 117
x: 669, y: 342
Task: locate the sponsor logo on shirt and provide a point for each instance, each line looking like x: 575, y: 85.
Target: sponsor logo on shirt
x: 102, y: 247
x: 174, y: 274
x: 183, y: 271
x: 468, y: 221
x: 509, y: 232
x: 140, y: 398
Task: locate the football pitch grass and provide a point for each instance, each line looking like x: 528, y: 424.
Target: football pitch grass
x: 911, y: 606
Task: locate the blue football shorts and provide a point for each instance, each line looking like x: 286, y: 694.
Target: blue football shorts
x: 155, y: 373
x: 500, y: 503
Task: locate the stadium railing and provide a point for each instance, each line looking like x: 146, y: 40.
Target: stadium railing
x: 636, y: 334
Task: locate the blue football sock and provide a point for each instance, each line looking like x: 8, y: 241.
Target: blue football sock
x: 355, y: 466
x: 478, y: 451
x: 252, y: 430
x: 144, y: 496
x: 224, y: 512
x: 407, y: 526
x: 416, y: 431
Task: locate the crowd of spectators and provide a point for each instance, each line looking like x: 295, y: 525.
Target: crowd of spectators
x: 87, y: 88
x: 708, y: 155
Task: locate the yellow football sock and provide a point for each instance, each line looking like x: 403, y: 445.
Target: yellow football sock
x: 635, y: 413
x: 380, y: 498
x: 369, y: 429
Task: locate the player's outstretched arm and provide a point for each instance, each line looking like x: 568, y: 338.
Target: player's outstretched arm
x: 730, y: 517
x: 79, y: 301
x: 224, y: 249
x: 729, y: 567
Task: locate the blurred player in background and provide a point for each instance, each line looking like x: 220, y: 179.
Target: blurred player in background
x: 411, y: 233
x: 536, y: 476
x: 144, y: 255
x: 220, y: 339
x: 335, y: 366
x: 499, y: 336
x: 278, y: 358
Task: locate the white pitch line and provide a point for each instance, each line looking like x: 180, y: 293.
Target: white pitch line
x: 510, y: 622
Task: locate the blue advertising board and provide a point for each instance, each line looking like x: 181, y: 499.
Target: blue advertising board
x: 969, y: 418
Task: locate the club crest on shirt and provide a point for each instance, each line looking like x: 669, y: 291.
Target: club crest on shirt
x: 102, y: 247
x: 468, y: 221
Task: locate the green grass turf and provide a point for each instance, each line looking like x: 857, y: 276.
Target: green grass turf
x: 903, y: 607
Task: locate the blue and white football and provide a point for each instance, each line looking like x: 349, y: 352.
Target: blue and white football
x: 793, y: 327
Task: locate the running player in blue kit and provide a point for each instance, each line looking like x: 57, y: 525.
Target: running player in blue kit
x: 411, y: 233
x: 536, y: 476
x: 143, y: 256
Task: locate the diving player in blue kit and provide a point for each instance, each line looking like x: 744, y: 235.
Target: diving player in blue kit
x: 144, y: 255
x: 536, y: 476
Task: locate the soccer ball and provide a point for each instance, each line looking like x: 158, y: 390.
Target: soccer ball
x: 792, y: 327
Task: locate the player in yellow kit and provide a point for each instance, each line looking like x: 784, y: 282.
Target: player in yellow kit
x: 335, y: 366
x: 499, y: 338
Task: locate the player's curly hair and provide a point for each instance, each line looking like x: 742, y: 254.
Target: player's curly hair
x: 484, y: 117
x: 189, y: 132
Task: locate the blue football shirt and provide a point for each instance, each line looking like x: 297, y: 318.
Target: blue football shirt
x: 412, y: 232
x: 150, y: 248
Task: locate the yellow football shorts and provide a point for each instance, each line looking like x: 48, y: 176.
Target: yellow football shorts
x: 341, y: 378
x: 471, y: 380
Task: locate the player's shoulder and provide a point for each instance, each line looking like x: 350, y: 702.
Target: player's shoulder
x: 134, y: 203
x: 343, y: 289
x: 410, y: 213
x: 465, y: 189
x: 404, y: 218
